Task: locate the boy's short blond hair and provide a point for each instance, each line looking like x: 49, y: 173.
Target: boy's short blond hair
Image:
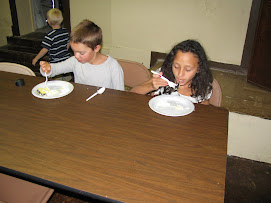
x: 87, y: 33
x: 54, y: 16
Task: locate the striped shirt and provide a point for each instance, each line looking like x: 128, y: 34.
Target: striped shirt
x: 56, y: 42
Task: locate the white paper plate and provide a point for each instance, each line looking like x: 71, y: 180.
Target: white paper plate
x: 58, y: 89
x: 169, y: 105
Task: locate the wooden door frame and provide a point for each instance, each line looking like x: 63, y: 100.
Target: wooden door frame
x: 66, y: 14
x: 259, y: 71
x: 250, y: 36
x: 15, y: 23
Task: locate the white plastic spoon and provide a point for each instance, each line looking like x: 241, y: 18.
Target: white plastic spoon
x: 171, y: 84
x: 99, y: 91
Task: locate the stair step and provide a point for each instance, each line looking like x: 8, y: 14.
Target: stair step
x: 20, y: 57
x: 34, y: 35
x: 9, y: 53
x: 27, y: 42
x: 21, y: 48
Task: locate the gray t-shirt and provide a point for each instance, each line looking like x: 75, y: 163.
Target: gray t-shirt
x: 109, y: 74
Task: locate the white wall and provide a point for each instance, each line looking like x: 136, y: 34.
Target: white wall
x: 249, y: 137
x: 132, y: 29
x: 24, y: 13
x: 5, y: 22
x: 97, y: 11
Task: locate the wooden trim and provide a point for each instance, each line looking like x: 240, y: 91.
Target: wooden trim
x: 66, y: 14
x: 227, y: 68
x: 259, y: 71
x: 251, y: 30
x: 15, y: 23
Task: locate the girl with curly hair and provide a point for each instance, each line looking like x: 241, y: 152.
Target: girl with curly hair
x: 186, y: 65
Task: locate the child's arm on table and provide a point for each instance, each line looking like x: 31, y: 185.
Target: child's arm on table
x: 153, y: 84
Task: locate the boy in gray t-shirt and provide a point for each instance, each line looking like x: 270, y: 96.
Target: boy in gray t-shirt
x: 89, y: 66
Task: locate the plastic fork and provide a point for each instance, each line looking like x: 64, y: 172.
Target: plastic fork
x: 46, y: 80
x: 171, y: 84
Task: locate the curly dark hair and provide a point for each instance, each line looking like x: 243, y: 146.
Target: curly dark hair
x: 202, y: 82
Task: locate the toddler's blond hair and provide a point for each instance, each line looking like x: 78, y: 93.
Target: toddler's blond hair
x: 54, y: 16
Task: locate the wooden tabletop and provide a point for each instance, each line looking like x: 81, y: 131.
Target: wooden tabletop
x: 114, y: 145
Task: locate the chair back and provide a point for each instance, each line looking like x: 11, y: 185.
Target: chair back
x: 216, y: 97
x: 18, y: 190
x: 134, y: 73
x: 16, y: 68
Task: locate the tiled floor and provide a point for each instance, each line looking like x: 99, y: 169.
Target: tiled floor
x: 247, y: 181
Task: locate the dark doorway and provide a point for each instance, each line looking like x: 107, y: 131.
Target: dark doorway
x: 39, y: 9
x: 259, y: 71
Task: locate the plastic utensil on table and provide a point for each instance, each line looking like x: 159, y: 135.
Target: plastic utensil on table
x: 99, y: 91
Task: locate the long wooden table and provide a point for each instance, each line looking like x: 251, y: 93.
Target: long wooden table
x: 113, y: 147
